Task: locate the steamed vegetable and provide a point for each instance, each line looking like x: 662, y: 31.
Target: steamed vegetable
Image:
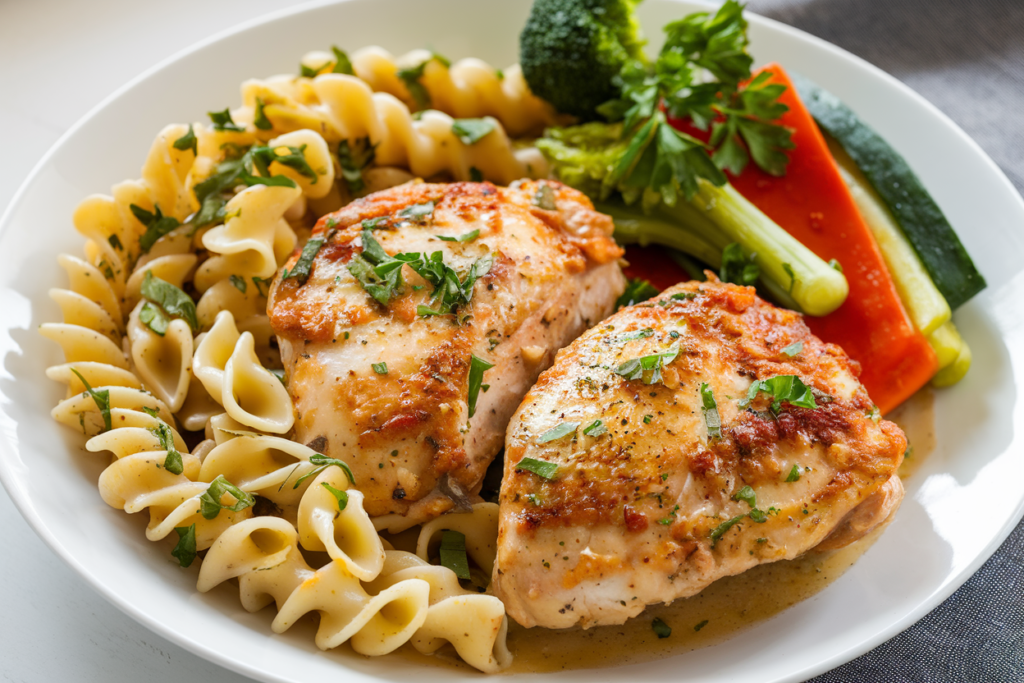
x: 920, y: 218
x: 814, y: 205
x: 661, y: 184
x: 571, y: 51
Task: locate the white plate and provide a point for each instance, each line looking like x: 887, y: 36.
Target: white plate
x: 959, y: 507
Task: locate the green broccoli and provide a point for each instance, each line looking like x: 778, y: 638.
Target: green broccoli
x: 571, y: 51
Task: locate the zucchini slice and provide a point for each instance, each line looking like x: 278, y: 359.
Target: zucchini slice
x: 920, y: 218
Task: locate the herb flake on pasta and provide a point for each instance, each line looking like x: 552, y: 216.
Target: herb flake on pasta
x: 353, y: 157
x: 171, y: 299
x: 185, y: 550
x: 210, y: 503
x: 100, y: 397
x: 472, y: 131
x: 453, y: 553
x: 156, y: 223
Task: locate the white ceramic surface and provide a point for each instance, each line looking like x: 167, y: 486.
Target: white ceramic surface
x: 959, y: 507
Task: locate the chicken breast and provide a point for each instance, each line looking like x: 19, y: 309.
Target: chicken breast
x: 643, y: 465
x: 380, y: 369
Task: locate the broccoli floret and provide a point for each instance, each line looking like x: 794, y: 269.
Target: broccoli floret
x: 572, y: 50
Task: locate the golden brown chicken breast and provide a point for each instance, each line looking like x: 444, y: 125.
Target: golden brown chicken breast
x: 681, y: 440
x: 425, y: 302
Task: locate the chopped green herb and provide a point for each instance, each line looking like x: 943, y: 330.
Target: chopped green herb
x: 700, y: 625
x: 472, y: 131
x: 115, y: 242
x: 638, y: 334
x: 544, y: 198
x: 758, y: 516
x: 342, y: 64
x: 411, y: 76
x: 542, y: 468
x: 340, y: 496
x: 709, y: 406
x: 465, y: 237
x: 379, y: 274
x: 595, y: 428
x: 664, y: 476
x: 453, y: 553
x: 475, y: 174
x: 262, y: 285
x: 185, y: 549
x: 260, y: 119
x: 875, y: 414
x: 533, y: 498
x: 747, y: 495
x: 165, y: 435
x: 354, y: 157
x: 152, y: 317
x: 660, y: 628
x: 239, y: 283
x: 794, y: 474
x: 720, y: 530
x: 500, y: 74
x: 323, y: 462
x: 477, y: 368
x: 187, y: 141
x: 636, y: 291
x: 648, y: 368
x: 417, y: 213
x: 300, y: 271
x: 833, y: 263
x: 171, y: 299
x: 157, y: 225
x: 100, y: 397
x: 558, y: 431
x: 294, y: 158
x: 684, y: 296
x: 737, y: 267
x: 222, y: 121
x: 374, y: 223
x: 647, y: 419
x: 380, y: 368
x: 782, y: 388
x: 210, y: 503
x: 310, y: 71
x: 793, y: 349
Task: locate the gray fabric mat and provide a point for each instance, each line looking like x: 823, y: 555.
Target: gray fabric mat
x: 967, y: 58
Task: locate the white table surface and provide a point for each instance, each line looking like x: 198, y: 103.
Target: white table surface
x: 58, y: 59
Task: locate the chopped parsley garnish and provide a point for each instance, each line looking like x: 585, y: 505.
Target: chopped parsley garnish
x: 152, y: 317
x: 558, y: 431
x: 310, y: 71
x: 453, y: 553
x: 342, y: 64
x: 213, y: 192
x: 262, y: 285
x: 747, y: 495
x: 477, y: 368
x: 671, y: 517
x: 647, y: 419
x: 292, y: 157
x: 782, y: 388
x: 636, y: 291
x: 737, y: 267
x: 835, y: 265
x: 544, y: 198
x: 542, y: 468
x: 300, y: 271
x: 793, y: 349
x: 794, y: 474
x: 210, y: 503
x: 380, y: 368
x: 187, y: 141
x: 323, y: 462
x: 660, y: 628
x: 702, y: 624
x: 115, y: 242
x: 595, y: 428
x: 464, y: 237
x: 185, y: 549
x: 165, y: 435
x: 340, y: 496
x: 157, y: 225
x: 472, y: 131
x: 709, y: 406
x: 417, y: 213
x: 720, y: 530
x: 684, y: 296
x: 354, y: 157
x: 648, y: 368
x: 222, y: 121
x: 475, y: 174
x: 239, y: 282
x: 758, y: 516
x: 411, y: 76
x: 874, y: 414
x: 171, y: 300
x: 260, y: 119
x: 100, y: 397
x: 379, y: 274
x: 638, y: 334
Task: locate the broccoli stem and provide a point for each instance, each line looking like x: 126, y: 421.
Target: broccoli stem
x: 718, y: 216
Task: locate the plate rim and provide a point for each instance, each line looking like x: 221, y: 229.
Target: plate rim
x: 26, y: 507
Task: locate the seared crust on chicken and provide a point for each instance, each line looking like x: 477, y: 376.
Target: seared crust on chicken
x: 651, y: 505
x: 405, y: 430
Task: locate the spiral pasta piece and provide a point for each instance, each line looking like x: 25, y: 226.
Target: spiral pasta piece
x: 162, y: 361
x: 266, y: 465
x: 469, y: 88
x: 479, y: 526
x: 344, y: 107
